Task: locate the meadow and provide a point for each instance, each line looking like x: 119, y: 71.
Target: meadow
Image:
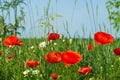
x: 103, y: 62
x: 55, y: 56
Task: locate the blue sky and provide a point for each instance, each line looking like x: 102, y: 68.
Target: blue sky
x: 77, y: 17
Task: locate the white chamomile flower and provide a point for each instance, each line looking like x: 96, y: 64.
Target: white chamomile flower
x: 55, y: 44
x: 26, y: 72
x: 42, y: 44
x: 32, y: 47
x: 50, y: 41
x: 35, y: 71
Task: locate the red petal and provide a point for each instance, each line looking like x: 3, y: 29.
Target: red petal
x: 84, y: 70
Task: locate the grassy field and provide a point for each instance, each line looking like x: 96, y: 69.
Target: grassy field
x: 104, y: 63
x: 63, y: 58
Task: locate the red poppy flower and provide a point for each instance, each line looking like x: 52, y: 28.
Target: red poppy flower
x: 9, y: 56
x: 32, y: 63
x: 70, y: 57
x: 117, y: 51
x: 53, y: 57
x: 54, y: 76
x: 90, y: 47
x: 84, y: 70
x: 103, y: 38
x: 54, y: 36
x: 12, y: 40
x: 0, y: 53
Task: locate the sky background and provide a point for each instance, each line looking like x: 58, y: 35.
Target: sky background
x: 79, y: 20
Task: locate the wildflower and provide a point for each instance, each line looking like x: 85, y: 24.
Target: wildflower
x: 53, y: 57
x: 90, y: 47
x: 116, y: 51
x: 42, y: 44
x: 0, y: 53
x: 53, y: 36
x: 84, y: 70
x: 70, y: 41
x: 51, y: 41
x: 26, y: 72
x: 32, y: 63
x: 103, y: 38
x: 9, y: 56
x: 35, y: 72
x: 12, y: 40
x: 55, y: 44
x: 32, y: 47
x: 54, y: 76
x: 70, y: 57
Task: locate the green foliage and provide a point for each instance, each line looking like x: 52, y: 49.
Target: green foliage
x: 113, y: 7
x: 11, y: 17
x: 105, y: 65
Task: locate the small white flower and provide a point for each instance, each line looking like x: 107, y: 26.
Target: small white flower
x: 32, y: 47
x: 26, y: 72
x: 10, y: 46
x: 50, y: 41
x: 42, y: 44
x: 55, y: 44
x: 35, y: 71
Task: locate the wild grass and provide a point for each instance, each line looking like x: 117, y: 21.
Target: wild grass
x: 105, y: 65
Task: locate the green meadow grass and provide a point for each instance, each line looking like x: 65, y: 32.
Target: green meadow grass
x: 104, y: 63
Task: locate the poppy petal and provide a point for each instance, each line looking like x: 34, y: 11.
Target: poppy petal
x: 84, y: 70
x: 32, y: 63
x: 116, y: 51
x: 54, y: 36
x: 53, y: 57
x: 103, y: 38
x: 70, y: 57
